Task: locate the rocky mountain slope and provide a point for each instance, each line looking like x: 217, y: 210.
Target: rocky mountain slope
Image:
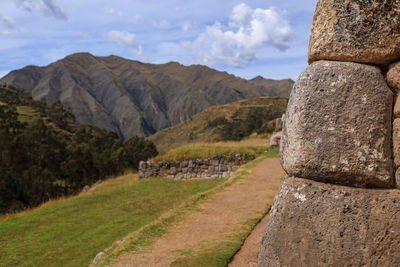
x: 208, y: 125
x: 133, y: 98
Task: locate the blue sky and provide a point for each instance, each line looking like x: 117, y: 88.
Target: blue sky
x: 245, y: 38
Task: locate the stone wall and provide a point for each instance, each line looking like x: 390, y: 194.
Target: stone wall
x: 340, y: 144
x: 275, y: 140
x: 218, y: 166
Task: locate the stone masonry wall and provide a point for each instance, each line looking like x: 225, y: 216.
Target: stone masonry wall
x: 340, y: 146
x: 218, y: 166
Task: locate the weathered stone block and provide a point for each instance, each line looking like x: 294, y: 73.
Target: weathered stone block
x: 172, y: 171
x: 396, y: 142
x: 278, y: 124
x: 396, y: 109
x: 184, y: 164
x: 141, y: 174
x: 393, y: 76
x: 191, y: 164
x: 215, y: 162
x: 337, y: 126
x: 275, y: 140
x: 356, y: 31
x: 226, y: 174
x: 223, y: 167
x: 397, y: 178
x: 317, y: 224
x: 142, y: 165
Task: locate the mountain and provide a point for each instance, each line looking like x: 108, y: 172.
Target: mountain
x: 237, y: 119
x: 134, y: 98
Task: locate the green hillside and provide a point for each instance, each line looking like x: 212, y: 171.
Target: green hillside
x: 45, y: 154
x: 72, y: 232
x: 232, y: 121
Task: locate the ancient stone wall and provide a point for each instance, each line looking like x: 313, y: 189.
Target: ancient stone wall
x: 340, y: 144
x: 275, y: 140
x: 218, y: 166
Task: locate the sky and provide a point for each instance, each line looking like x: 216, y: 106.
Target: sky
x: 244, y: 37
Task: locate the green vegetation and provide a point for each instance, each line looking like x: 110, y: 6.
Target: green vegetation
x: 257, y: 120
x: 249, y: 146
x: 71, y: 233
x: 45, y: 154
x: 234, y: 121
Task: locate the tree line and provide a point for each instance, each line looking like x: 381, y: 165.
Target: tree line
x: 52, y: 156
x: 245, y: 122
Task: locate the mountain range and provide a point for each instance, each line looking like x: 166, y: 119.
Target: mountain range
x: 134, y: 98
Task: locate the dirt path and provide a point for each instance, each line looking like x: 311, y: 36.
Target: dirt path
x: 248, y: 253
x: 217, y: 219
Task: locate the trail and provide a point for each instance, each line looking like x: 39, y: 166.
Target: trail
x: 248, y: 253
x: 219, y: 218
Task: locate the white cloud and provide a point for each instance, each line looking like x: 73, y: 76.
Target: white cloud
x: 112, y: 11
x: 189, y: 24
x: 162, y: 24
x: 136, y: 18
x: 7, y: 25
x: 7, y: 22
x: 249, y: 30
x: 45, y: 7
x: 181, y: 8
x: 126, y: 39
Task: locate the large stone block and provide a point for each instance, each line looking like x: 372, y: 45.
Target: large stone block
x: 356, y: 30
x: 317, y: 224
x: 338, y: 126
x: 396, y: 142
x: 393, y: 76
x: 396, y: 108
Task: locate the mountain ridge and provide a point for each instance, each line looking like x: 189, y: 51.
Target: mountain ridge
x: 134, y: 98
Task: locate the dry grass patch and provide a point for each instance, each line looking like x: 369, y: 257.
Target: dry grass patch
x: 249, y: 146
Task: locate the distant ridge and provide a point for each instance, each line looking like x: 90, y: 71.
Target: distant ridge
x: 134, y: 98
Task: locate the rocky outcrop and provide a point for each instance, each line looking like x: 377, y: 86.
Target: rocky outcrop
x: 318, y: 224
x: 338, y: 126
x: 336, y: 145
x: 218, y: 166
x: 356, y: 31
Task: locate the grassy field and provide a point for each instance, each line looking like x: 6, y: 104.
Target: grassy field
x: 72, y: 232
x: 250, y: 146
x: 27, y: 114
